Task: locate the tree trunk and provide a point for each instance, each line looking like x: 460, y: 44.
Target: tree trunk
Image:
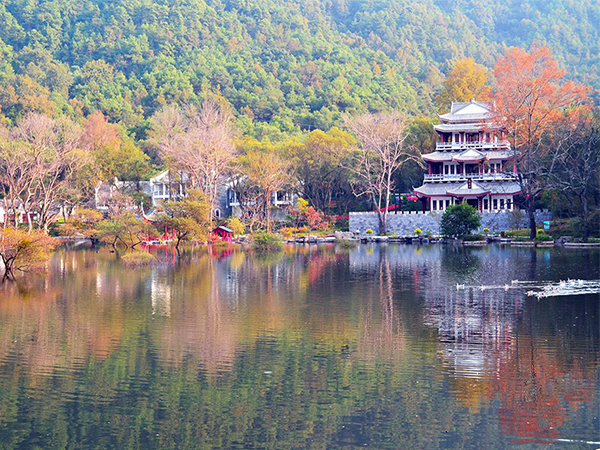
x: 531, y: 213
x: 585, y: 216
x: 29, y: 221
x: 385, y: 213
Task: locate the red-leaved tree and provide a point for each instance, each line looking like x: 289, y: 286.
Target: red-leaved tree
x: 530, y: 94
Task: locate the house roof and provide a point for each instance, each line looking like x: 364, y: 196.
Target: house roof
x: 455, y: 189
x: 464, y: 191
x: 221, y: 227
x: 163, y: 177
x: 465, y: 127
x: 468, y: 111
x: 499, y: 154
x: 469, y: 156
x: 437, y: 157
x: 463, y: 157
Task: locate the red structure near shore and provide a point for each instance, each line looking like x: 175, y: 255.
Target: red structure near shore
x: 224, y: 233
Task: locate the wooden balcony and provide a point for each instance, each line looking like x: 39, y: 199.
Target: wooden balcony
x: 475, y: 145
x: 497, y: 176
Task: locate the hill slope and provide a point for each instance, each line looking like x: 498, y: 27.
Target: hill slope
x: 292, y: 63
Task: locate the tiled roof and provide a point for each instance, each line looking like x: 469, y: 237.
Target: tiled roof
x: 438, y: 156
x: 449, y: 156
x: 467, y: 112
x: 464, y: 191
x: 469, y: 155
x: 493, y: 187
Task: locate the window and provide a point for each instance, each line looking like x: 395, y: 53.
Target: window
x: 452, y: 169
x: 485, y: 204
x: 446, y: 169
x: 434, y: 205
x: 495, y: 203
x: 508, y: 204
x: 501, y: 203
x: 447, y: 203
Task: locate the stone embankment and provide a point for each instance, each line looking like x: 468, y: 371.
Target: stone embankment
x: 347, y: 236
x: 404, y: 223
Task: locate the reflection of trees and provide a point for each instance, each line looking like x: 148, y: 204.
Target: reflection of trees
x: 461, y: 263
x: 551, y: 369
x: 381, y: 334
x: 350, y: 362
x: 532, y: 377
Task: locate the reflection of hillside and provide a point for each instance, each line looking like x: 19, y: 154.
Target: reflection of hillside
x: 311, y: 349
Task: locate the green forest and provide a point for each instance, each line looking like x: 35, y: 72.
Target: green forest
x: 124, y: 89
x: 283, y: 66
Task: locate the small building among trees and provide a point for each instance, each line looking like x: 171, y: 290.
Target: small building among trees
x: 224, y: 233
x: 473, y: 162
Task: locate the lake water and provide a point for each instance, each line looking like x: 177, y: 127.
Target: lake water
x: 316, y: 347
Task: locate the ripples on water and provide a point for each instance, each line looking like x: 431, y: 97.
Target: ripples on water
x: 315, y: 347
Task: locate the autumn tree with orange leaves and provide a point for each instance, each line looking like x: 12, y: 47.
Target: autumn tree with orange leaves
x: 530, y: 95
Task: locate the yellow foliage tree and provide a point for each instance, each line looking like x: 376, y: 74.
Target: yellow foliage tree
x: 465, y: 81
x: 22, y: 251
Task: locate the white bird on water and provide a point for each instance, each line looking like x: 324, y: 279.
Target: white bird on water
x: 459, y: 286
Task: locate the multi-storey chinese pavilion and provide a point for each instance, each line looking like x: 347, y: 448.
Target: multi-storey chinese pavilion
x: 473, y: 163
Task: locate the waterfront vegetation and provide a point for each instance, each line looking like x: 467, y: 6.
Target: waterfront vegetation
x: 266, y: 242
x: 460, y: 220
x: 334, y: 103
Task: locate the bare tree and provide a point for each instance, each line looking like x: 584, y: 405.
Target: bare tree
x: 54, y: 157
x: 199, y: 143
x: 381, y: 152
x: 168, y: 131
x: 576, y: 150
x: 260, y: 175
x: 16, y: 168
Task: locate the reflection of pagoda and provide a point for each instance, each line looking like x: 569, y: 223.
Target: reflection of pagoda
x: 474, y: 327
x: 473, y: 162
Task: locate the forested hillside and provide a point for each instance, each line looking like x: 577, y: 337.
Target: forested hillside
x: 290, y: 64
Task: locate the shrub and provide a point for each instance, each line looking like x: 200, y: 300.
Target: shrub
x: 307, y: 215
x: 137, y: 259
x: 266, y: 242
x: 523, y: 232
x: 473, y: 237
x: 287, y: 232
x: 460, y: 220
x: 347, y: 244
x: 22, y: 251
x: 543, y: 237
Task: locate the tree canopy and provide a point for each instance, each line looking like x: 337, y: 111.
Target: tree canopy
x: 281, y: 65
x: 459, y: 220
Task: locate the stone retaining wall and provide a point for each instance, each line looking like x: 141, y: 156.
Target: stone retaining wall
x: 405, y: 223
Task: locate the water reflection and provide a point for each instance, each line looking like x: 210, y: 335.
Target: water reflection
x: 311, y: 347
